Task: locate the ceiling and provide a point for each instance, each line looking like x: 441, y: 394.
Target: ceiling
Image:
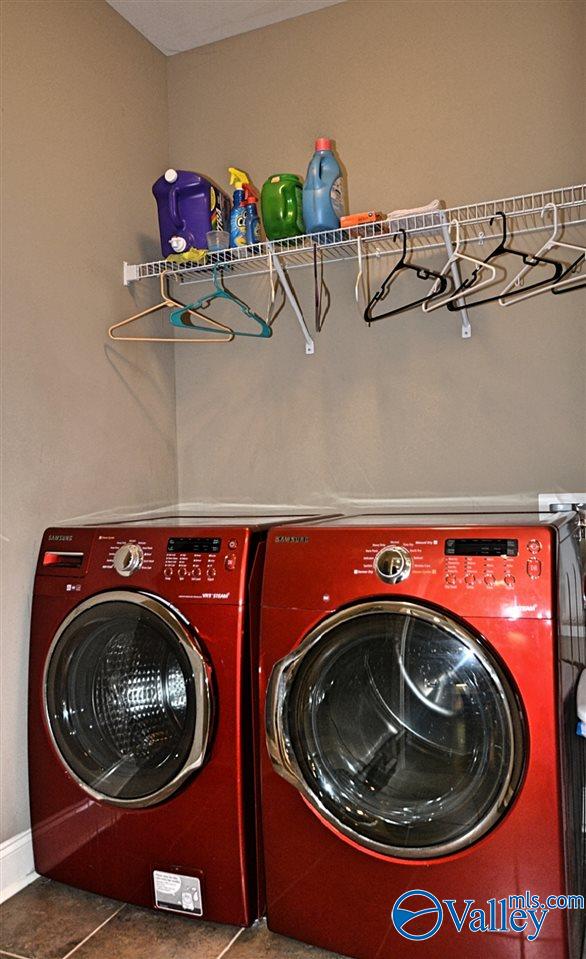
x: 177, y: 25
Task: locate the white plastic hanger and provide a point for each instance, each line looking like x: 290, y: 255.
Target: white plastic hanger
x: 360, y: 293
x: 430, y: 305
x: 550, y: 244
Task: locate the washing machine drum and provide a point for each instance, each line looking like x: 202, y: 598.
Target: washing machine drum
x: 400, y: 727
x: 127, y: 694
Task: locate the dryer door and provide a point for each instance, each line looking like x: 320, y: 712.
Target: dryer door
x: 127, y: 698
x: 400, y: 728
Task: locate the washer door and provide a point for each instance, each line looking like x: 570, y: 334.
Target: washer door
x: 399, y: 727
x: 127, y: 698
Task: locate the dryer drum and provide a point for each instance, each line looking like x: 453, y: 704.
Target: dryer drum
x: 125, y: 699
x: 400, y: 727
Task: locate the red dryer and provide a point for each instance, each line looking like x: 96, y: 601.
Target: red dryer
x: 422, y: 786
x: 140, y: 716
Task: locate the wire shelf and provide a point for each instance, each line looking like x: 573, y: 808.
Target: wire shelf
x: 425, y: 230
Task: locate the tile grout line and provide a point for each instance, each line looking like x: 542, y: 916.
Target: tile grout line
x: 14, y: 955
x: 97, y: 929
x: 230, y: 944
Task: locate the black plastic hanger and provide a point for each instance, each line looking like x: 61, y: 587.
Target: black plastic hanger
x: 528, y: 258
x: 570, y: 286
x: 423, y: 273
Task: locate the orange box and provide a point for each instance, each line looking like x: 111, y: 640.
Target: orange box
x: 355, y: 219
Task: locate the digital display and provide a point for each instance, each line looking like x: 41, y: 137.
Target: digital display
x: 192, y: 544
x: 482, y: 547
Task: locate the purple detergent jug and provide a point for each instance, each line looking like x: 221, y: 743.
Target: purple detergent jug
x: 189, y: 206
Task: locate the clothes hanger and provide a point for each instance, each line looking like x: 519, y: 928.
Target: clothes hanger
x: 430, y: 305
x: 549, y: 244
x: 423, y: 273
x: 500, y: 249
x: 319, y: 286
x: 168, y: 301
x: 220, y: 293
x: 360, y: 291
x: 571, y: 284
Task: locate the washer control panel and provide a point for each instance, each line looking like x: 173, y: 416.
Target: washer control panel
x: 181, y: 563
x: 199, y: 559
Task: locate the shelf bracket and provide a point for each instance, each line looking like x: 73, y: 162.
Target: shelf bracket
x: 455, y: 271
x: 130, y: 273
x: 309, y: 344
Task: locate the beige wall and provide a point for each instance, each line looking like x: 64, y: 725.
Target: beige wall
x: 87, y: 426
x: 463, y: 101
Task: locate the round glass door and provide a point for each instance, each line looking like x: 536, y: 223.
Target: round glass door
x: 127, y: 698
x: 400, y: 727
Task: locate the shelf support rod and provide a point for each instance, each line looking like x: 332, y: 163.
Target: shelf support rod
x: 309, y: 344
x: 455, y: 271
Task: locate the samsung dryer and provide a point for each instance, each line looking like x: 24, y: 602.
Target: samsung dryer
x: 423, y: 779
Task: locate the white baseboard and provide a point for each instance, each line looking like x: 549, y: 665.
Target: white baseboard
x: 17, y: 867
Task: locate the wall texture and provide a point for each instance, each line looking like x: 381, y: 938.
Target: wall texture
x: 87, y: 426
x: 463, y: 101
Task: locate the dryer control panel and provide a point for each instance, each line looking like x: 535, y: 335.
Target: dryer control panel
x: 504, y: 572
x: 206, y: 565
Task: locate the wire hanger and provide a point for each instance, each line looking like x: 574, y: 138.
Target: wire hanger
x: 480, y: 265
x: 527, y: 258
x: 549, y: 244
x: 167, y: 301
x: 360, y: 288
x: 423, y: 273
x: 221, y: 293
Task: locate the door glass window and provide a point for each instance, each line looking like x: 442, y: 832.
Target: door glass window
x: 408, y: 734
x: 121, y: 700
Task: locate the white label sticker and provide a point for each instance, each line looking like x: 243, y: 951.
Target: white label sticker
x: 177, y: 893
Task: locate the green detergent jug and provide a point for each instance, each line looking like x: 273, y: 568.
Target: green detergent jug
x: 281, y: 202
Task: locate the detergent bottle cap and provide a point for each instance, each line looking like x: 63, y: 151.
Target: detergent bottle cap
x: 250, y: 195
x: 170, y: 175
x: 323, y: 143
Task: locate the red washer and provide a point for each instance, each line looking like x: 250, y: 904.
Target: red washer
x: 141, y: 732
x: 421, y: 744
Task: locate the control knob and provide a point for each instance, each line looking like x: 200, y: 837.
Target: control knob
x: 128, y: 559
x: 393, y: 564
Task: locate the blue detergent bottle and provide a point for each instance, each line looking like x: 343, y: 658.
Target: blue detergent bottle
x: 323, y: 192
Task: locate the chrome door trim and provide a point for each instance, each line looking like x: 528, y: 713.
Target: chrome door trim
x: 202, y: 675
x: 284, y: 761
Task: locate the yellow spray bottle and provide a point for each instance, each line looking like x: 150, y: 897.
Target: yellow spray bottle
x: 244, y: 221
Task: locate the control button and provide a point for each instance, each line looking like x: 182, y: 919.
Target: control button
x: 196, y: 572
x: 534, y: 568
x: 230, y: 561
x: 211, y: 572
x: 534, y: 546
x: 451, y: 580
x: 393, y: 564
x: 182, y: 572
x: 232, y: 544
x: 168, y: 572
x: 128, y: 559
x: 489, y: 579
x: 470, y: 579
x: 509, y: 580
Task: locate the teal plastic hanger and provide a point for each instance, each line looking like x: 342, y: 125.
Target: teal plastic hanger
x: 220, y: 293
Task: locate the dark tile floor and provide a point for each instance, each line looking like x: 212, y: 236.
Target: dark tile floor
x: 47, y: 920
